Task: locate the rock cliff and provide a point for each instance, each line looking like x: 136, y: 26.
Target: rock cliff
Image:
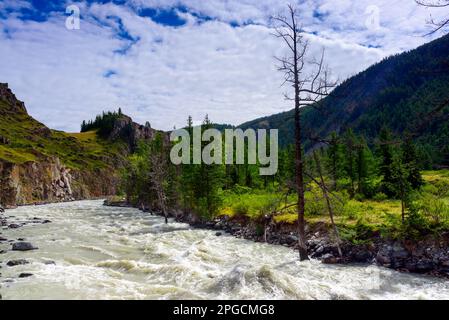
x: 39, y: 165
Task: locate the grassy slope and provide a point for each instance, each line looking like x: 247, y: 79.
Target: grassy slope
x: 29, y: 140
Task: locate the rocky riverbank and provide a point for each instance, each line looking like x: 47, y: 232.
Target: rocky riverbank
x: 426, y: 256
x: 20, y: 244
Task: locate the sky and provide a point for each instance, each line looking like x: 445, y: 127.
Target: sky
x: 163, y: 60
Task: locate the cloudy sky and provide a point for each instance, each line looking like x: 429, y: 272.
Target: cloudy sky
x: 162, y: 60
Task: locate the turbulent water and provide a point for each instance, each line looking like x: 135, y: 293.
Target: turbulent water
x: 94, y: 252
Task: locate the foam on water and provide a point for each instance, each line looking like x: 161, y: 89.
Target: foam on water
x: 94, y: 252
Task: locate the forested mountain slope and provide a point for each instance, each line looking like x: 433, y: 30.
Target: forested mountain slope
x: 408, y: 92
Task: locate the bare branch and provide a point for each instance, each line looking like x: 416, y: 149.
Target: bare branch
x: 438, y: 25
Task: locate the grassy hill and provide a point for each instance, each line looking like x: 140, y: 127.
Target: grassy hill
x: 38, y: 164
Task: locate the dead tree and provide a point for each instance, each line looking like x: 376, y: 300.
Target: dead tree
x: 158, y: 174
x: 437, y: 24
x: 324, y: 189
x: 309, y: 88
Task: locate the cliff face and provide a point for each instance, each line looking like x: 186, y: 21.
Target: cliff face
x: 51, y: 181
x: 39, y: 165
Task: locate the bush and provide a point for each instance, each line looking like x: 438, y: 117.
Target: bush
x: 238, y: 189
x: 434, y: 209
x: 380, y: 196
x: 241, y: 209
x: 359, y: 197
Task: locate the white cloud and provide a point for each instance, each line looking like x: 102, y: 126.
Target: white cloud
x: 169, y: 73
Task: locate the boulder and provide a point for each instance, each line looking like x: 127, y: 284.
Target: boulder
x: 13, y: 226
x: 218, y: 234
x: 13, y: 263
x: 383, y: 259
x: 3, y: 239
x: 25, y: 275
x: 329, y: 259
x: 399, y: 252
x: 23, y: 246
x: 2, y: 209
x: 361, y: 256
x: 424, y: 266
x: 291, y: 239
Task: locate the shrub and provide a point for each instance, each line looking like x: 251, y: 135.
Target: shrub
x: 241, y: 209
x: 434, y: 208
x: 380, y: 196
x: 238, y: 189
x: 359, y: 197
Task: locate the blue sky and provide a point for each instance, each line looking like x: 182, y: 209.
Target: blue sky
x: 162, y: 60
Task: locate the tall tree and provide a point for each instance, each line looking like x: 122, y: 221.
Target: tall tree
x: 385, y: 146
x: 351, y: 158
x: 335, y: 158
x: 309, y: 88
x: 410, y: 161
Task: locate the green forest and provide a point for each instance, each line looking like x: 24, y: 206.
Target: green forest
x: 372, y: 190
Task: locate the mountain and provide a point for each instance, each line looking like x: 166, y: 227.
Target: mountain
x: 38, y: 164
x: 408, y: 92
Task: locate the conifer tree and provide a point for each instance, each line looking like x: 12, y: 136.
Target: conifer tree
x: 409, y: 159
x: 387, y: 161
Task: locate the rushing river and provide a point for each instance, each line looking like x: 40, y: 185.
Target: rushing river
x: 94, y: 252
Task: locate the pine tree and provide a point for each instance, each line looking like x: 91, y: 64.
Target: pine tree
x: 387, y: 160
x: 335, y: 161
x: 400, y: 185
x: 350, y: 157
x: 409, y: 159
x: 207, y: 183
x: 363, y: 166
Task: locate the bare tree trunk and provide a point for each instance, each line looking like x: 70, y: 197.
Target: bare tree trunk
x: 328, y: 203
x: 309, y: 88
x: 302, y: 246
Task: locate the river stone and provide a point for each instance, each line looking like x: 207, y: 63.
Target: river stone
x: 398, y: 252
x: 13, y: 263
x: 2, y: 209
x: 291, y: 239
x: 25, y: 275
x: 13, y: 226
x: 424, y: 266
x: 329, y: 259
x: 218, y: 234
x: 3, y: 239
x: 23, y: 246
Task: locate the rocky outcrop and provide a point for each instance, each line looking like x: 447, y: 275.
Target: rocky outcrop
x: 131, y: 132
x: 13, y: 104
x: 51, y: 181
x: 46, y: 178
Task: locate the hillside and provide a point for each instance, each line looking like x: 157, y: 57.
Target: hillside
x: 38, y: 164
x: 406, y: 92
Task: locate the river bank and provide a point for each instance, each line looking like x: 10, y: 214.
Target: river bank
x: 426, y: 256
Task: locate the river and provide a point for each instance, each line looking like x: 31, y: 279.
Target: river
x: 90, y: 251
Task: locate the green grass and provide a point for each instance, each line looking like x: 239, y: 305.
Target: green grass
x: 358, y: 219
x: 30, y: 140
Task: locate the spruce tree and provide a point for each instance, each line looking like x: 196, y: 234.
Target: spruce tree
x: 386, y: 162
x: 351, y: 161
x: 410, y: 161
